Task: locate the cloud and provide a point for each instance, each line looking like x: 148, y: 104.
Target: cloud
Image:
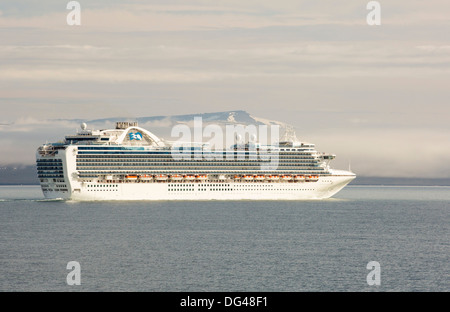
x: 200, y: 15
x: 161, y: 64
x: 365, y: 93
x: 31, y: 124
x: 389, y: 152
x: 128, y: 18
x: 436, y: 49
x: 161, y: 123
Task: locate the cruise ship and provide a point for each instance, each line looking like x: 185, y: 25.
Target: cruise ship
x: 131, y: 163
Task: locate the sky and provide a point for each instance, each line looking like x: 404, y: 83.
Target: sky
x: 376, y: 96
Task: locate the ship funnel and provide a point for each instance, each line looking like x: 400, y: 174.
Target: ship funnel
x: 126, y: 124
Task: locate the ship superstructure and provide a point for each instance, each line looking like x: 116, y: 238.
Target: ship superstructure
x: 131, y: 163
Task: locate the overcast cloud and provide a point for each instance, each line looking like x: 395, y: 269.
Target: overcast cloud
x: 377, y: 96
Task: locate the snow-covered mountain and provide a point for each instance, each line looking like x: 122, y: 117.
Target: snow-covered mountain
x: 162, y: 125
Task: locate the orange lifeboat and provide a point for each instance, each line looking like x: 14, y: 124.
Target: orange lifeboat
x: 201, y: 177
x: 274, y: 177
x: 131, y: 177
x: 299, y: 178
x: 176, y: 177
x: 161, y: 177
x: 286, y: 177
x: 312, y: 178
x: 189, y: 177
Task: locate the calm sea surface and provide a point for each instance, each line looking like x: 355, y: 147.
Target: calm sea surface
x: 287, y: 246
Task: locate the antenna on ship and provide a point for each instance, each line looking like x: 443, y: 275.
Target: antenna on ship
x: 349, y: 166
x: 289, y: 134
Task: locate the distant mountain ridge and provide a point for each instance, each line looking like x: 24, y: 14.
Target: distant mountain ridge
x: 232, y: 117
x: 161, y: 125
x: 238, y: 116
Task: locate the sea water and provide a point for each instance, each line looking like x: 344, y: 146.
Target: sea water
x: 248, y: 246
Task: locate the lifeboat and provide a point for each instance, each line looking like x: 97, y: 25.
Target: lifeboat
x: 299, y: 178
x: 201, y: 177
x: 248, y: 177
x: 131, y: 177
x: 176, y: 177
x: 146, y: 177
x: 286, y: 177
x: 189, y: 177
x: 274, y: 177
x: 236, y: 177
x: 260, y: 177
x: 222, y: 177
x: 312, y: 178
x: 161, y: 177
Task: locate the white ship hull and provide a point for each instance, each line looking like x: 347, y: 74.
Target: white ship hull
x: 322, y: 189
